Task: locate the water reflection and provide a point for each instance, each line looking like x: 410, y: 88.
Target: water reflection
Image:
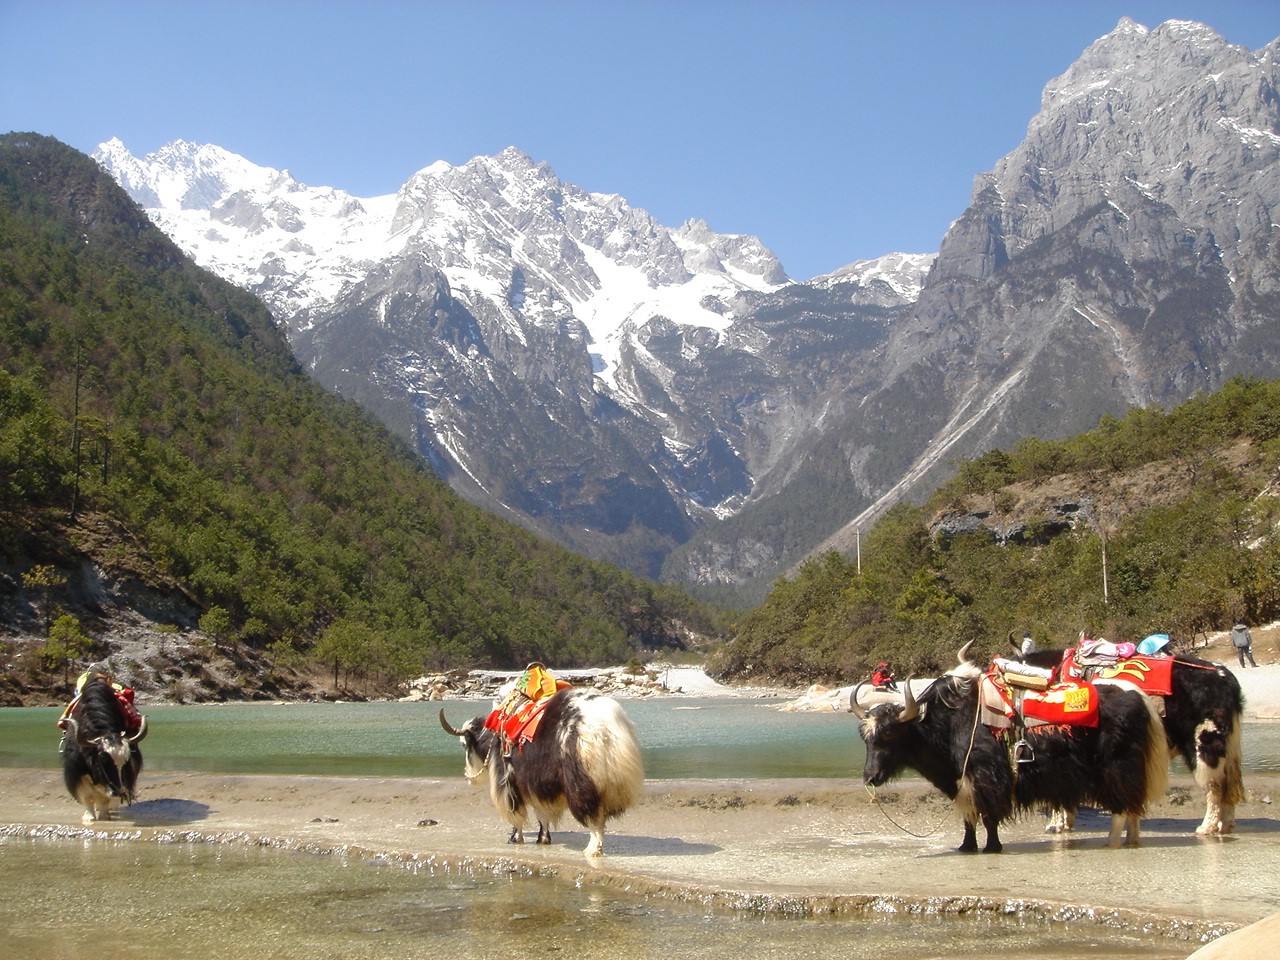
x: 133, y: 899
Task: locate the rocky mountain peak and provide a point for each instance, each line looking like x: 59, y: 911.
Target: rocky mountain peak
x: 1176, y: 113
x: 623, y: 386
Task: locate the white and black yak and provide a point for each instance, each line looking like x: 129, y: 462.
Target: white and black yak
x: 1202, y: 717
x: 583, y: 757
x: 100, y: 755
x: 1120, y: 766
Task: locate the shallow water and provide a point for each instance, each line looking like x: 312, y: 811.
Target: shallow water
x: 233, y: 901
x: 132, y: 899
x: 680, y: 738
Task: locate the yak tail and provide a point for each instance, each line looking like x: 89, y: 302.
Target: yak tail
x: 626, y: 772
x: 1157, y: 753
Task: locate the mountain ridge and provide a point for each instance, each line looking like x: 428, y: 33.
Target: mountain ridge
x: 1125, y: 253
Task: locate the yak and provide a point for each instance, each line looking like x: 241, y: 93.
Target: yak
x: 1120, y: 766
x: 100, y: 755
x: 583, y: 757
x: 1202, y: 719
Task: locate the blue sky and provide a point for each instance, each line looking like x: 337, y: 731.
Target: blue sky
x: 833, y: 131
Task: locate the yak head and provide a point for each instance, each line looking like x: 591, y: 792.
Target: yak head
x: 898, y: 735
x: 477, y: 744
x: 107, y: 755
x: 890, y: 733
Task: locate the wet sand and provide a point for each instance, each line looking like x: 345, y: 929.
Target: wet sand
x: 790, y: 845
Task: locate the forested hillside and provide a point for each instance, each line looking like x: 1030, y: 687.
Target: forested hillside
x: 155, y: 427
x: 1158, y: 521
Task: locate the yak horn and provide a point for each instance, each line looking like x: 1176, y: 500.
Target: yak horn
x: 854, y: 707
x: 73, y: 729
x: 963, y: 655
x: 448, y: 729
x: 142, y: 732
x: 912, y: 709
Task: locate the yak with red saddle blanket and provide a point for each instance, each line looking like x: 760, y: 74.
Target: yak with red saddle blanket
x: 101, y: 758
x: 1118, y: 764
x: 574, y: 749
x: 1201, y: 708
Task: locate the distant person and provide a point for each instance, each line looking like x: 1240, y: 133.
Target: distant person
x: 1242, y: 640
x: 882, y: 677
x: 1028, y: 645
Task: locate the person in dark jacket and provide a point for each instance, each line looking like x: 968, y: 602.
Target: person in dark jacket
x: 1242, y: 640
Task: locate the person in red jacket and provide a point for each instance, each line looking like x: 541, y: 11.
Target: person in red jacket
x: 882, y: 677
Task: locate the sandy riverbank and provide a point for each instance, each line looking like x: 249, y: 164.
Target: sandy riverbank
x: 790, y: 844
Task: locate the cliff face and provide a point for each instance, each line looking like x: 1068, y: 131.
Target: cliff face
x: 143, y: 624
x: 1125, y: 254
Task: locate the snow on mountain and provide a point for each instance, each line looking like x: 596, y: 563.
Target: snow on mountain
x: 564, y: 359
x: 503, y: 230
x: 903, y: 273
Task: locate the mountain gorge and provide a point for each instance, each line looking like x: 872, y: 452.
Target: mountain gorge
x: 669, y: 400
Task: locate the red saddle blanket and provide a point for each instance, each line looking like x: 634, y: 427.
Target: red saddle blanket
x: 1071, y: 703
x: 519, y: 725
x: 1151, y: 675
x: 516, y: 719
x: 1067, y: 703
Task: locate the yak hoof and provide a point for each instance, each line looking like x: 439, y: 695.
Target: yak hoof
x: 1217, y: 828
x: 993, y: 848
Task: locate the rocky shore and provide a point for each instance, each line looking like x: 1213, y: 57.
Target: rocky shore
x: 488, y: 684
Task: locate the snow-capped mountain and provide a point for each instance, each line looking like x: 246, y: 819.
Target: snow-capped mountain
x: 502, y: 229
x: 546, y: 348
x: 666, y: 399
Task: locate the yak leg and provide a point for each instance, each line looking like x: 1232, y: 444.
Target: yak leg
x: 595, y: 846
x: 97, y: 804
x: 517, y: 835
x: 1117, y: 828
x: 970, y: 842
x: 1126, y: 825
x: 1219, y: 817
x: 544, y: 832
x: 993, y: 834
x: 1060, y: 821
x: 95, y: 810
x: 1216, y: 766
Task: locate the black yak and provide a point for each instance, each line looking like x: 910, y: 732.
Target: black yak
x: 100, y: 755
x: 1120, y: 765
